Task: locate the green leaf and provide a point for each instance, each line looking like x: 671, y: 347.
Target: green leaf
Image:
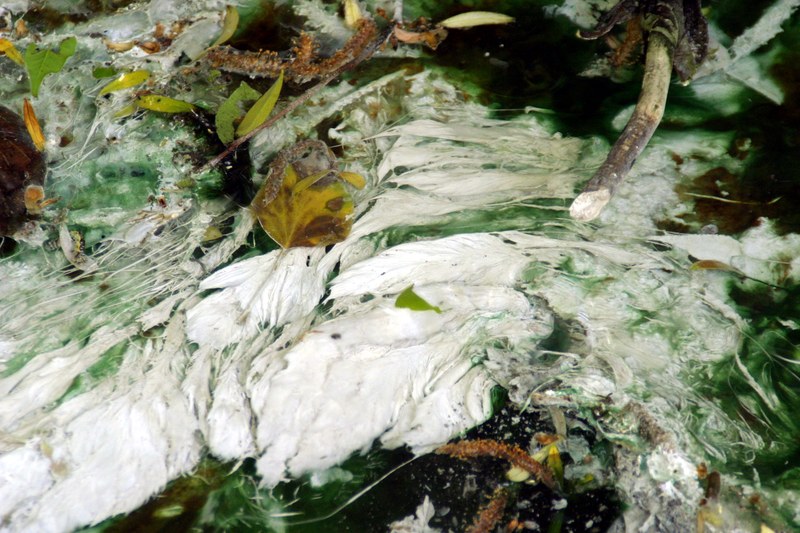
x: 124, y: 81
x: 163, y: 104
x: 261, y: 109
x: 40, y: 62
x: 409, y: 299
x: 229, y: 111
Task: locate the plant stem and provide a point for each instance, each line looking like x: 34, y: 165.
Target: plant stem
x: 637, y: 133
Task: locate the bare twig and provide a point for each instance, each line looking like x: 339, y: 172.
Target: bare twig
x: 637, y: 133
x: 677, y: 36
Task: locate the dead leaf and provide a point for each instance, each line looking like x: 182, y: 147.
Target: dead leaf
x: 304, y: 202
x: 32, y: 123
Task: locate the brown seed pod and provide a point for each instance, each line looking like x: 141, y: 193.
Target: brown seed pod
x: 21, y: 166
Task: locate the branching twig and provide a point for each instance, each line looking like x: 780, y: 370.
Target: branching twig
x: 365, y: 53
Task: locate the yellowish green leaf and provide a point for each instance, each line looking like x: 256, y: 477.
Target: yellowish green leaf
x: 517, y: 474
x: 261, y: 109
x: 356, y: 180
x: 229, y: 111
x: 126, y: 80
x: 471, y: 19
x: 40, y: 63
x: 126, y: 111
x: 163, y: 104
x: 32, y: 124
x: 318, y: 215
x: 309, y: 181
x: 352, y: 13
x: 555, y: 463
x: 8, y: 48
x: 408, y: 299
x: 229, y: 25
x: 212, y: 233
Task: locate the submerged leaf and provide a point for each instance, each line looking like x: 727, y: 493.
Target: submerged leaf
x: 317, y: 215
x: 229, y: 111
x: 126, y: 111
x: 356, y: 180
x: 261, y: 109
x: 8, y: 48
x: 32, y: 123
x: 163, y: 104
x: 475, y: 18
x: 555, y: 463
x: 229, y: 25
x: 99, y: 73
x: 126, y: 80
x: 408, y: 299
x: 352, y: 13
x: 40, y: 62
x: 710, y: 264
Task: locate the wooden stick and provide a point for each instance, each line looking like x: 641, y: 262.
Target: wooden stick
x: 637, y: 133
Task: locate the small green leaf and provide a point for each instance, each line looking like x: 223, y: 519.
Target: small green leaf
x: 40, y: 62
x: 229, y: 111
x: 99, y: 73
x: 124, y: 81
x: 163, y: 104
x: 261, y: 109
x: 409, y: 299
x: 475, y: 18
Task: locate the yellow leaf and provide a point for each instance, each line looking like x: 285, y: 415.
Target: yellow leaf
x: 475, y: 18
x: 229, y: 25
x: 356, y: 180
x: 163, y: 104
x: 352, y: 13
x: 517, y: 474
x: 261, y: 109
x: 317, y: 213
x: 128, y: 79
x: 8, y: 48
x: 32, y: 123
